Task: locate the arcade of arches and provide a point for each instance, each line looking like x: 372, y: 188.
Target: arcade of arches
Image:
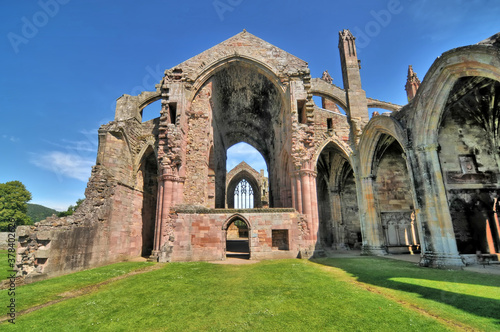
x: 421, y: 178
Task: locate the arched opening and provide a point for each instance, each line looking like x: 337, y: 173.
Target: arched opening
x: 243, y: 195
x: 469, y: 155
x: 339, y: 225
x: 147, y: 184
x: 151, y: 111
x: 393, y: 197
x: 328, y: 104
x: 237, y: 239
x: 246, y: 107
x: 246, y: 187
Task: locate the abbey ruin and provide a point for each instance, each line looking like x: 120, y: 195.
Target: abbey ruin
x: 421, y: 178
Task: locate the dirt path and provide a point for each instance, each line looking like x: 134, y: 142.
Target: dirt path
x: 85, y: 290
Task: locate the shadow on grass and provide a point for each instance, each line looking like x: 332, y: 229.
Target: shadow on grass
x: 406, y: 277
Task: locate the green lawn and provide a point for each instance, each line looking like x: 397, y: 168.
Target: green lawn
x: 41, y: 292
x: 358, y: 294
x: 462, y: 297
x: 4, y: 266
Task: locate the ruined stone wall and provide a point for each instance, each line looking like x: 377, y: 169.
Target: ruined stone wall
x: 106, y: 228
x: 4, y: 237
x: 471, y: 178
x: 350, y: 213
x: 199, y: 236
x: 198, y: 148
x: 392, y: 184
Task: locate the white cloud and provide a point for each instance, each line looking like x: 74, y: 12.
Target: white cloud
x: 68, y: 165
x: 11, y: 138
x: 77, y: 146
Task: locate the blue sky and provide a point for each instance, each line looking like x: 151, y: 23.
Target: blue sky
x: 65, y: 62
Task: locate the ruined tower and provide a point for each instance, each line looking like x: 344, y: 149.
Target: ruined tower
x: 356, y: 96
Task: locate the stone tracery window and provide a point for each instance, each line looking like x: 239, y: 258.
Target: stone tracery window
x: 243, y: 195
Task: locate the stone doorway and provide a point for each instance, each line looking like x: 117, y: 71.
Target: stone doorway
x: 148, y: 174
x: 237, y: 239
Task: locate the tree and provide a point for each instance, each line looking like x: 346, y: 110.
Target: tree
x: 13, y: 199
x: 71, y: 209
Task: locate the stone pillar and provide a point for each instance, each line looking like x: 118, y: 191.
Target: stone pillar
x: 337, y: 219
x: 373, y: 240
x: 158, y: 225
x: 441, y: 247
x: 169, y: 194
x: 314, y: 202
x: 310, y: 204
x: 298, y: 191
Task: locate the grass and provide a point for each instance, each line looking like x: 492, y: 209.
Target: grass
x: 359, y: 294
x: 44, y: 291
x: 466, y: 298
x: 4, y: 266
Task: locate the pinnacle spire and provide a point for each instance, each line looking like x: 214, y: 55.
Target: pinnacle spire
x: 412, y: 83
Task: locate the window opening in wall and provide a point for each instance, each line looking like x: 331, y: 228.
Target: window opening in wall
x: 237, y: 240
x: 173, y: 112
x: 329, y: 124
x: 243, y: 195
x: 280, y: 239
x: 151, y: 111
x: 301, y: 111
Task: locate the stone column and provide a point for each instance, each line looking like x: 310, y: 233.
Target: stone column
x: 310, y: 202
x: 441, y: 247
x: 159, y: 213
x: 337, y: 219
x: 298, y: 190
x: 371, y: 228
x: 169, y: 194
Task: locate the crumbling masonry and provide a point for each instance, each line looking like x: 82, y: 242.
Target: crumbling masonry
x: 420, y: 178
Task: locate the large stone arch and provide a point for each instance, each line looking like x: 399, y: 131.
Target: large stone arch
x: 342, y: 146
x: 147, y: 188
x: 372, y: 132
x: 245, y: 100
x: 429, y: 106
x: 379, y: 127
x: 322, y: 88
x: 375, y: 103
x: 339, y: 222
x: 469, y: 156
x: 429, y: 102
